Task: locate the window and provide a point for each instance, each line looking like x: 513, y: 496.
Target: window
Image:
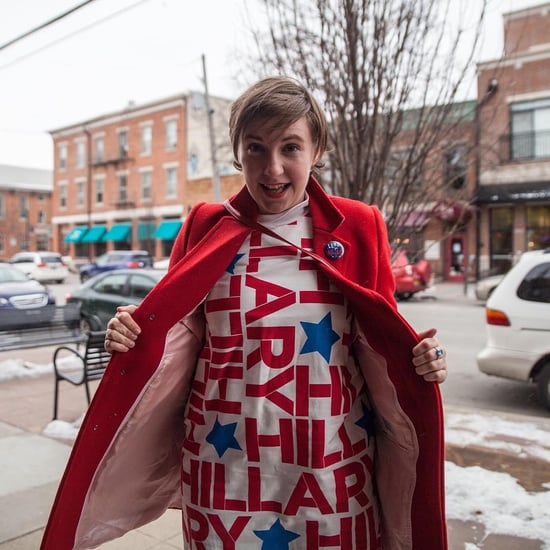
x: 41, y: 218
x: 123, y: 144
x: 538, y: 227
x: 62, y: 156
x: 63, y: 195
x: 23, y: 207
x: 171, y: 132
x: 80, y: 154
x: 171, y: 182
x: 146, y: 184
x: 139, y: 286
x: 455, y: 167
x: 501, y: 239
x: 530, y: 129
x: 122, y: 188
x: 80, y: 193
x: 2, y: 244
x: 2, y: 206
x: 99, y: 190
x: 99, y: 146
x: 146, y: 139
x: 536, y: 285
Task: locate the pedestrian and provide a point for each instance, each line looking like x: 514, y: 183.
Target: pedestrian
x: 267, y: 386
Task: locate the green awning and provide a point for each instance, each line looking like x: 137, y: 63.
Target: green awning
x: 145, y: 231
x: 167, y: 230
x: 94, y: 234
x: 76, y: 234
x: 118, y: 232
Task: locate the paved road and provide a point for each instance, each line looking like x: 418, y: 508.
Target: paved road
x: 460, y: 321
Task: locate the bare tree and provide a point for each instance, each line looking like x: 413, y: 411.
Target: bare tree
x: 389, y: 74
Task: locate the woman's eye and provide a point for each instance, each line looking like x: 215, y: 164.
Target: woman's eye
x: 292, y: 148
x: 254, y: 148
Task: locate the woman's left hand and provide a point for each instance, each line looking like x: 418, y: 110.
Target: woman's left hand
x: 429, y: 358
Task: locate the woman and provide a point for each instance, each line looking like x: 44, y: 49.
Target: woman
x: 272, y: 393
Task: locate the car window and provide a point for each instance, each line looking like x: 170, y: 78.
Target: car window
x: 112, y: 284
x: 535, y: 286
x: 12, y: 275
x: 140, y: 286
x: 51, y: 258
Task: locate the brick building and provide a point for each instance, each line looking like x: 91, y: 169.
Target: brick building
x: 127, y: 179
x: 25, y: 209
x: 513, y: 195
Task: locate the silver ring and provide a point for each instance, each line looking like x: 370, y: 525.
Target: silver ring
x: 438, y: 353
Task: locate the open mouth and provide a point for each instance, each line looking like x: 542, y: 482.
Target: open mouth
x: 274, y: 190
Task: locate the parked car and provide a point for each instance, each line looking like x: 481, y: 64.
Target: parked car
x: 117, y: 259
x: 485, y: 287
x: 42, y: 266
x: 410, y: 278
x: 23, y: 301
x: 99, y: 296
x: 518, y: 325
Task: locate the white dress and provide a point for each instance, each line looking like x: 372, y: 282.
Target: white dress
x: 279, y: 443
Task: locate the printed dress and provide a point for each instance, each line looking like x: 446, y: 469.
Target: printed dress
x: 279, y: 443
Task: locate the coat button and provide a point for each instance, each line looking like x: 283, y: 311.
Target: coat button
x: 334, y: 250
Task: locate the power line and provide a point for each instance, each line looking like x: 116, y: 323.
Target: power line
x: 46, y: 24
x: 70, y: 35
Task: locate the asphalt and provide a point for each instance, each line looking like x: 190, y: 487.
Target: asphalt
x: 32, y: 463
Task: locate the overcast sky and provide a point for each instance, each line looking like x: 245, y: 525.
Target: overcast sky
x: 111, y: 52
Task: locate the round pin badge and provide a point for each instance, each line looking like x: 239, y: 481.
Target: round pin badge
x: 334, y: 250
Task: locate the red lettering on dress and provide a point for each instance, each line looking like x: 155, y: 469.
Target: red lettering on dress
x: 276, y: 349
x: 307, y: 485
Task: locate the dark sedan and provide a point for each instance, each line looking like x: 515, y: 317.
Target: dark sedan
x: 23, y: 301
x: 99, y: 296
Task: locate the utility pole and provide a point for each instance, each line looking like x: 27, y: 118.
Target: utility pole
x: 210, y: 115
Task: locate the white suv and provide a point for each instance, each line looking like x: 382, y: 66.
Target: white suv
x: 41, y: 266
x: 518, y: 325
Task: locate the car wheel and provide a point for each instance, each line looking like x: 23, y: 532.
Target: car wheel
x: 543, y: 385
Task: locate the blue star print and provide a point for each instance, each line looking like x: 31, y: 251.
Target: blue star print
x: 276, y: 537
x: 231, y: 267
x: 320, y: 337
x: 223, y: 437
x: 367, y: 422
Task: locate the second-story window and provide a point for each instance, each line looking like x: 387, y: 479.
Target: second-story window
x: 80, y: 190
x: 146, y: 184
x: 23, y: 207
x: 63, y: 195
x: 530, y: 129
x: 99, y: 146
x: 99, y: 190
x: 171, y: 181
x: 171, y: 129
x: 123, y: 144
x: 2, y: 206
x: 80, y: 154
x: 41, y: 218
x: 146, y: 139
x: 62, y: 156
x: 122, y: 188
x: 455, y: 167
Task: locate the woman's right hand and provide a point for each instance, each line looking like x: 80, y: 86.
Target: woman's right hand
x: 122, y: 330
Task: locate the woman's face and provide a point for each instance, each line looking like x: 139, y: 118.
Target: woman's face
x: 276, y: 164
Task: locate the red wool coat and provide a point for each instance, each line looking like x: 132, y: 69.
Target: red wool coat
x: 124, y: 469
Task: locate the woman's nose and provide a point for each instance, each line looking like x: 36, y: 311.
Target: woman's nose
x: 274, y: 166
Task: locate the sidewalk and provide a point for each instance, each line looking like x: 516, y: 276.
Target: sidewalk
x: 31, y: 465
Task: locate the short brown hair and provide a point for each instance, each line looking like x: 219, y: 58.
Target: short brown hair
x: 280, y: 101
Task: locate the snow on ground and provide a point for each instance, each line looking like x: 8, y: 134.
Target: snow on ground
x: 494, y: 499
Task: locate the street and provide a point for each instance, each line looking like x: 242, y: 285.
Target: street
x: 460, y: 321
x: 461, y: 330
